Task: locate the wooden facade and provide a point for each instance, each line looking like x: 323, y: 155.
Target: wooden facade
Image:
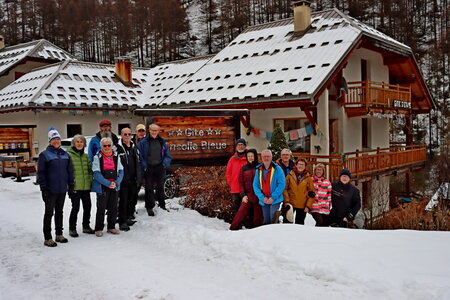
x: 370, y: 163
x: 367, y: 96
x: 192, y: 138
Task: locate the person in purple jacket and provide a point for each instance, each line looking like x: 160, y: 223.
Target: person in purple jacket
x: 55, y: 176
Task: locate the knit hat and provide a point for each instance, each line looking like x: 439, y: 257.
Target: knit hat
x: 345, y: 172
x: 140, y: 127
x: 104, y: 122
x: 241, y: 141
x: 53, y: 134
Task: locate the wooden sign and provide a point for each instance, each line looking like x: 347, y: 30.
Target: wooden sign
x: 198, y: 137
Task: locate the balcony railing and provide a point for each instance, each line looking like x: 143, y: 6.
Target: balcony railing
x: 377, y: 94
x: 371, y: 162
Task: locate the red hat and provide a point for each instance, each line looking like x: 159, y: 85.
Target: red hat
x: 105, y: 122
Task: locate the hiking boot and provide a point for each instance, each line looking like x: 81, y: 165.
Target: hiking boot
x: 124, y: 227
x: 88, y: 230
x: 73, y: 233
x: 130, y: 222
x: 50, y: 243
x: 150, y: 212
x: 113, y: 231
x: 61, y: 239
x: 99, y: 233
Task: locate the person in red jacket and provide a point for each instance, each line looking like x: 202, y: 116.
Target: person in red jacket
x: 234, y: 166
x: 250, y: 203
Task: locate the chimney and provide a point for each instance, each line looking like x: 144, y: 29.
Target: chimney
x: 302, y: 15
x: 123, y: 70
x: 2, y: 42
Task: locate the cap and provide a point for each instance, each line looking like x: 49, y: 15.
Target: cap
x: 140, y: 127
x: 104, y: 122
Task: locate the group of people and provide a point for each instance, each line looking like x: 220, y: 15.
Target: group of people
x: 264, y: 192
x: 114, y: 168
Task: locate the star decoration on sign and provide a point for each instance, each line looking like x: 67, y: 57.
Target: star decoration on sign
x: 217, y: 131
x: 209, y: 131
x: 171, y: 132
x: 179, y: 132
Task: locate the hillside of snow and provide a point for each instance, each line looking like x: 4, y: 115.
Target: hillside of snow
x: 182, y: 255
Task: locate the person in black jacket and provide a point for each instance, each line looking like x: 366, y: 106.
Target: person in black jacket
x: 155, y: 158
x: 345, y: 200
x: 55, y: 175
x: 129, y: 157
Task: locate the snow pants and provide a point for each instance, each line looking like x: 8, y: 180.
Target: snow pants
x: 106, y: 201
x: 85, y: 197
x: 243, y: 213
x: 154, y: 180
x: 321, y: 219
x: 54, y: 203
x: 127, y: 205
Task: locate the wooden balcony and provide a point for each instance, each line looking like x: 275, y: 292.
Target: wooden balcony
x: 371, y: 162
x: 366, y: 96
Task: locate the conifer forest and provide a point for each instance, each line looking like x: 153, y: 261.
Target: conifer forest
x: 156, y: 31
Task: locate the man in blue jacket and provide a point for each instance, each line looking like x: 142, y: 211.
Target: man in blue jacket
x: 269, y: 184
x: 155, y: 159
x: 105, y: 131
x: 55, y: 176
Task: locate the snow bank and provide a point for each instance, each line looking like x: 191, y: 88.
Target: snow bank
x: 183, y: 255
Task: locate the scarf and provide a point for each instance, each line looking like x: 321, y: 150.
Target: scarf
x: 300, y: 176
x: 265, y: 183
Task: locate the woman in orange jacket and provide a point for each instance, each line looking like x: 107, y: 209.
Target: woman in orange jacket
x: 299, y: 191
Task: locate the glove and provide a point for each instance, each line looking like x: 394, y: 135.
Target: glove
x: 45, y: 193
x: 70, y: 191
x: 350, y: 217
x: 311, y: 194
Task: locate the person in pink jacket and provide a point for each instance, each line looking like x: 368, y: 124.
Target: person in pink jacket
x: 234, y: 166
x: 320, y: 208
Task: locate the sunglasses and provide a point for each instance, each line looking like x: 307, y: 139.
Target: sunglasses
x: 141, y: 130
x: 127, y: 134
x: 107, y: 146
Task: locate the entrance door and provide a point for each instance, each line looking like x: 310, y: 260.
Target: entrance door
x: 334, y: 136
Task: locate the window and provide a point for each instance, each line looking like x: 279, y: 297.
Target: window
x: 287, y: 124
x: 73, y: 129
x: 122, y: 126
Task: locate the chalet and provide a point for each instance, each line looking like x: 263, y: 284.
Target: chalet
x: 324, y: 69
x: 73, y: 96
x: 17, y: 60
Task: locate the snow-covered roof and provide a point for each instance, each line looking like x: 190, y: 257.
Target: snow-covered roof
x: 165, y: 78
x: 43, y: 49
x: 73, y: 83
x: 270, y: 61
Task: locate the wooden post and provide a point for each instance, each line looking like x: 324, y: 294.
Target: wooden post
x: 408, y: 183
x: 356, y: 161
x: 378, y: 158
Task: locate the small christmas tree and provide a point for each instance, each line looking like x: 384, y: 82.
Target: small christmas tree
x: 277, y: 142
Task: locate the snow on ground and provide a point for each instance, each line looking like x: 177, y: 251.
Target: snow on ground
x: 183, y: 255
